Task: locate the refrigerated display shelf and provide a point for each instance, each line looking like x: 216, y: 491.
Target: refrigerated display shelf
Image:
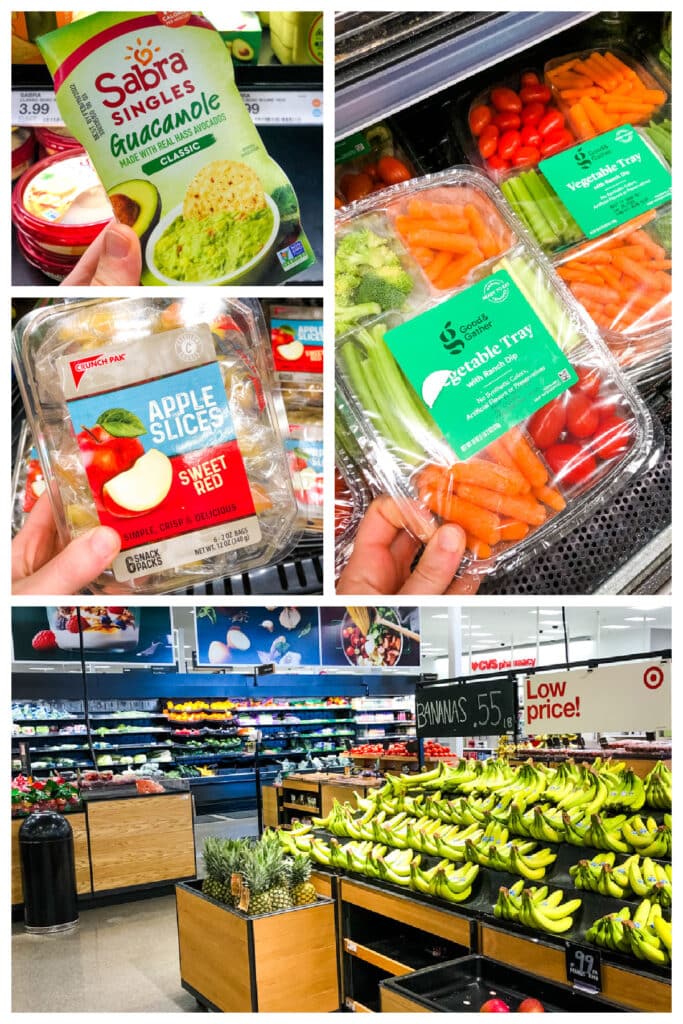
x: 370, y: 89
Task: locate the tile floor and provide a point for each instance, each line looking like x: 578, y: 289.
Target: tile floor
x: 121, y: 958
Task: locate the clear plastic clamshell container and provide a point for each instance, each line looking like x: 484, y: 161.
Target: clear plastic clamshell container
x: 493, y: 403
x: 160, y: 419
x: 603, y: 88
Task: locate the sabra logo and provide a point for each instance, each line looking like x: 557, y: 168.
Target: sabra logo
x: 146, y: 73
x: 79, y: 367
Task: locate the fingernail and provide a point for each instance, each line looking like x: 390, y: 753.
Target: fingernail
x: 450, y: 538
x: 116, y: 243
x: 104, y: 542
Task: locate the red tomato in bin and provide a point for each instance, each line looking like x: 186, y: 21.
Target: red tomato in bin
x: 582, y: 415
x: 480, y: 117
x: 552, y: 121
x: 526, y: 156
x: 613, y: 437
x: 535, y: 93
x: 505, y: 99
x: 508, y: 144
x: 508, y: 119
x: 529, y: 78
x: 570, y: 463
x: 546, y: 425
x: 496, y: 163
x: 530, y: 135
x: 532, y: 113
x: 488, y: 141
x: 392, y: 171
x: 358, y: 187
x: 589, y: 380
x: 555, y: 142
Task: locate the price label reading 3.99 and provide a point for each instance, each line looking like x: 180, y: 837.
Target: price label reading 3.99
x: 34, y: 107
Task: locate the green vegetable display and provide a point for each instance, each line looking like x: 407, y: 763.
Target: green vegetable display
x: 660, y: 132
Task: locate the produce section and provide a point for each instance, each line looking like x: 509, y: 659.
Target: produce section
x: 399, y: 269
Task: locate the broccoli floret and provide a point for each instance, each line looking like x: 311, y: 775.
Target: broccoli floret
x: 377, y: 288
x: 344, y: 288
x: 285, y: 199
x: 347, y: 317
x: 358, y: 248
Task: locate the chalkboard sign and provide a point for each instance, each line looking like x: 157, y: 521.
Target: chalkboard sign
x: 485, y: 708
x: 584, y: 967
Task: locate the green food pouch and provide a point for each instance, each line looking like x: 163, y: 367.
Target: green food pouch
x: 152, y: 98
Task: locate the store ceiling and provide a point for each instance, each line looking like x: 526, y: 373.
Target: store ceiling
x: 489, y: 626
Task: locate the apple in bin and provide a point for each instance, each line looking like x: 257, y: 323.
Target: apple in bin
x: 140, y: 488
x: 494, y: 1006
x: 531, y: 1005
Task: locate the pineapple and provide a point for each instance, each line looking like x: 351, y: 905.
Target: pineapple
x: 258, y: 878
x: 302, y: 889
x: 230, y: 857
x: 211, y: 885
x: 278, y: 871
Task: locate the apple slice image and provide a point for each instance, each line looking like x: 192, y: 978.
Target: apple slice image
x: 140, y: 488
x: 294, y: 350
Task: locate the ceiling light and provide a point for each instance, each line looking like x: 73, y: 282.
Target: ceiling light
x: 616, y: 627
x: 638, y: 618
x: 444, y: 616
x: 550, y: 611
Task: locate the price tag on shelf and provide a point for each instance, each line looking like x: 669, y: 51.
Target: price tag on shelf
x: 350, y: 946
x: 584, y: 967
x: 284, y: 108
x: 35, y: 106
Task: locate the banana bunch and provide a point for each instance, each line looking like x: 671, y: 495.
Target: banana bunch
x: 658, y: 787
x: 647, y: 935
x: 625, y: 789
x: 566, y: 778
x: 496, y: 774
x: 647, y: 837
x: 600, y: 875
x: 647, y: 878
x: 536, y: 908
x: 528, y: 784
x: 498, y: 853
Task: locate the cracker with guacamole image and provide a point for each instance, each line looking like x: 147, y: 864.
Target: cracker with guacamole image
x: 151, y: 96
x: 227, y: 221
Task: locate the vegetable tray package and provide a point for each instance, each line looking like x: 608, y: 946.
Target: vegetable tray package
x: 478, y: 390
x: 152, y: 98
x: 157, y: 418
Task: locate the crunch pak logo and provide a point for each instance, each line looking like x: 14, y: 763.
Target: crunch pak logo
x: 79, y: 367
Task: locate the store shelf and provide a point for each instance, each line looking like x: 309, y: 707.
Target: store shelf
x: 300, y: 807
x: 429, y: 65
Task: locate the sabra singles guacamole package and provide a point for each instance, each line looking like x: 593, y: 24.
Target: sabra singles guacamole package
x: 152, y: 97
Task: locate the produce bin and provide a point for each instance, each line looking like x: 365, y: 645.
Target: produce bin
x: 48, y: 873
x: 463, y: 986
x: 270, y: 963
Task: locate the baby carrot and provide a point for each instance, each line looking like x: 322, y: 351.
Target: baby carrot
x: 596, y: 116
x: 435, y: 239
x: 526, y: 460
x: 550, y: 497
x: 497, y: 451
x: 480, y: 231
x: 580, y: 122
x: 438, y: 265
x: 477, y: 548
x: 512, y: 529
x: 456, y: 271
x: 486, y: 474
x: 477, y: 521
x: 595, y: 293
x: 527, y: 509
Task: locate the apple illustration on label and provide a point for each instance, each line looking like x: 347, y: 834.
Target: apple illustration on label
x: 294, y: 350
x: 105, y: 456
x: 140, y: 488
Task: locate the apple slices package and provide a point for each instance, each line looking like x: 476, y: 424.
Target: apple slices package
x: 160, y: 418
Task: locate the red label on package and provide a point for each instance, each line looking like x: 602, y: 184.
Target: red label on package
x: 297, y: 342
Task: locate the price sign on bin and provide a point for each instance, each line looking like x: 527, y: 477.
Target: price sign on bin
x: 485, y: 708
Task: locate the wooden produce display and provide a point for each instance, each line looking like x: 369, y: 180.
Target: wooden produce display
x: 294, y: 797
x: 141, y: 840
x: 271, y: 963
x: 81, y: 857
x: 634, y: 989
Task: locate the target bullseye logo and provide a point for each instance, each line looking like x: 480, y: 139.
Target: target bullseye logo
x: 653, y: 677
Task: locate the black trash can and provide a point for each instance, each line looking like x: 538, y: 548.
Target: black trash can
x: 48, y: 873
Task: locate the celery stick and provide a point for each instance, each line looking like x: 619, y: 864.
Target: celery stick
x: 546, y: 202
x: 403, y: 390
x: 538, y: 294
x: 530, y: 211
x: 569, y: 230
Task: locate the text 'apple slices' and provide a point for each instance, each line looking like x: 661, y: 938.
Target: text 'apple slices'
x: 144, y: 485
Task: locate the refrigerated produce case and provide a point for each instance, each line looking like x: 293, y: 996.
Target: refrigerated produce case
x: 417, y: 83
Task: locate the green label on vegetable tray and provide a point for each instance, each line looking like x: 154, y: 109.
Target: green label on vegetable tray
x: 608, y: 180
x: 351, y: 147
x: 482, y: 362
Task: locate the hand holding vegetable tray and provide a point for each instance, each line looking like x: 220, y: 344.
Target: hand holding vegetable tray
x: 476, y: 387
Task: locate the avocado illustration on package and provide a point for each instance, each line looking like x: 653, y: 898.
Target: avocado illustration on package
x: 152, y: 98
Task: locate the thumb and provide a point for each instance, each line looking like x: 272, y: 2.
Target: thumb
x: 76, y: 566
x: 120, y: 260
x: 439, y: 562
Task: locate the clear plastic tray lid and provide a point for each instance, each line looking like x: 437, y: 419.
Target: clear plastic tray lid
x: 483, y: 395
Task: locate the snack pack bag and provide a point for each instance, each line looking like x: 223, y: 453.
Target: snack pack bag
x: 152, y: 98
